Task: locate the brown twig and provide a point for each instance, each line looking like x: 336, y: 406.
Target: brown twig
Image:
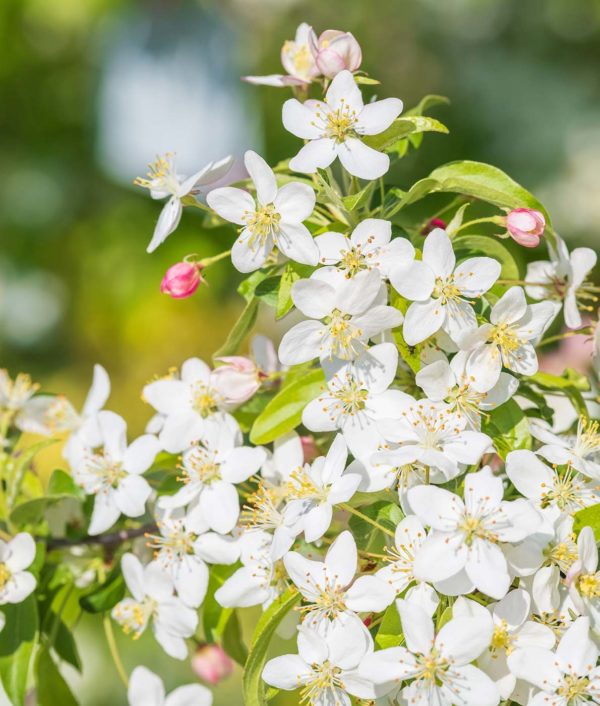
x: 107, y: 540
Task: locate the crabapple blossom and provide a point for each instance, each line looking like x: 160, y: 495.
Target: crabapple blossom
x: 409, y: 537
x: 369, y: 247
x: 442, y: 293
x: 583, y: 578
x: 182, y: 553
x: 356, y: 397
x: 239, y: 378
x: 444, y: 381
x: 329, y: 587
x: 16, y: 555
x: 54, y: 414
x: 567, y: 677
x: 433, y: 434
x: 563, y: 278
x: 336, y: 51
x: 344, y: 315
x: 579, y: 451
x: 567, y: 491
x: 113, y: 474
x: 314, y: 490
x: 526, y: 226
x: 275, y: 219
x: 185, y: 401
x: 297, y: 57
x: 467, y: 536
x: 326, y: 667
x: 163, y: 181
x: 507, y: 339
x: 334, y: 128
x: 153, y: 601
x: 210, y: 471
x: 513, y: 630
x: 147, y: 689
x: 438, y: 664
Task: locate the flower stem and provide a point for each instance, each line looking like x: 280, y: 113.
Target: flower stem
x: 498, y: 220
x: 210, y: 260
x: 112, y: 646
x: 561, y: 336
x: 366, y: 518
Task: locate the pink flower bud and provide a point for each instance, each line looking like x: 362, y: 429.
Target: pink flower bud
x: 211, y: 663
x: 309, y: 448
x: 181, y: 280
x: 336, y: 51
x: 432, y: 225
x: 238, y: 379
x: 526, y: 226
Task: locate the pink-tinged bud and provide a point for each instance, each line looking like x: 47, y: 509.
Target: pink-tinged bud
x: 181, y: 280
x: 432, y: 225
x: 526, y: 226
x: 336, y: 51
x: 211, y: 663
x: 238, y: 379
x: 309, y: 448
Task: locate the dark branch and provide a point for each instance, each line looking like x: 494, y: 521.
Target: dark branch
x: 107, y: 540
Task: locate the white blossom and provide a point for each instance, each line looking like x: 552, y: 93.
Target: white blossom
x: 147, y: 689
x: 16, y: 556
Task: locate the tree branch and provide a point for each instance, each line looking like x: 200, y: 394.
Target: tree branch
x: 107, y: 540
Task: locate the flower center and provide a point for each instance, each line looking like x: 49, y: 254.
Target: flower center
x: 325, y: 677
x: 588, y: 438
x: 563, y: 555
x: 589, y: 585
x: 351, y: 397
x: 262, y: 223
x: 301, y: 487
x: 343, y: 335
x: 200, y: 465
x: 433, y: 667
x: 107, y: 473
x: 5, y: 575
x: 353, y: 261
x: 14, y: 393
x: 301, y: 57
x: 160, y: 175
x: 505, y: 338
x: 171, y: 546
x: 501, y: 638
x: 262, y: 511
x: 446, y: 290
x: 133, y: 617
x: 474, y: 528
x: 340, y: 124
x: 572, y: 687
x: 204, y: 400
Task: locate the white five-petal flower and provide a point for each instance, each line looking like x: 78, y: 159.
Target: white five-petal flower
x: 275, y: 219
x: 442, y: 293
x: 113, y: 473
x: 164, y: 182
x: 334, y: 128
x: 16, y: 556
x: 147, y: 689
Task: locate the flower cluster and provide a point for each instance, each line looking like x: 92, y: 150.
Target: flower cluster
x: 389, y: 485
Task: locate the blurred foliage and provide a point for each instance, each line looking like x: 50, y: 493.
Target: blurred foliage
x: 76, y: 286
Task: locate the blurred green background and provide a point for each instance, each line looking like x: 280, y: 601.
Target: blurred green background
x: 91, y: 90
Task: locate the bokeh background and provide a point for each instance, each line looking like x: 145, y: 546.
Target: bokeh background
x: 91, y: 90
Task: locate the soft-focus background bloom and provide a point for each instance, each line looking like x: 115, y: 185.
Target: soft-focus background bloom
x: 93, y: 89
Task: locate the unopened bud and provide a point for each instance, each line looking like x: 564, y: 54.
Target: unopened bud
x: 181, y: 280
x: 309, y: 448
x: 238, y: 379
x: 432, y: 225
x: 336, y: 51
x: 526, y: 226
x: 211, y: 663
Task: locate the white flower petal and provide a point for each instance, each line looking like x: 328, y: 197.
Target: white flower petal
x: 317, y: 154
x: 231, y: 204
x: 263, y: 177
x: 378, y: 116
x: 360, y: 160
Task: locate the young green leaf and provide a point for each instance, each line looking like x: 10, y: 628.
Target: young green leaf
x: 17, y: 642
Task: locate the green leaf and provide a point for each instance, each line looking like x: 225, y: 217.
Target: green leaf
x: 570, y: 383
x: 360, y: 199
x: 509, y: 428
x: 486, y: 183
x: 267, y: 290
x: 105, y: 596
x: 232, y: 640
x: 18, y: 467
x: 470, y: 245
x: 52, y: 689
x: 390, y: 630
x: 66, y: 647
x: 60, y: 486
x: 17, y: 642
x: 427, y: 102
x: 253, y: 685
x: 240, y: 329
x: 385, y: 513
x: 284, y: 412
x: 387, y: 141
x: 417, y: 191
x: 411, y: 355
x: 588, y: 517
